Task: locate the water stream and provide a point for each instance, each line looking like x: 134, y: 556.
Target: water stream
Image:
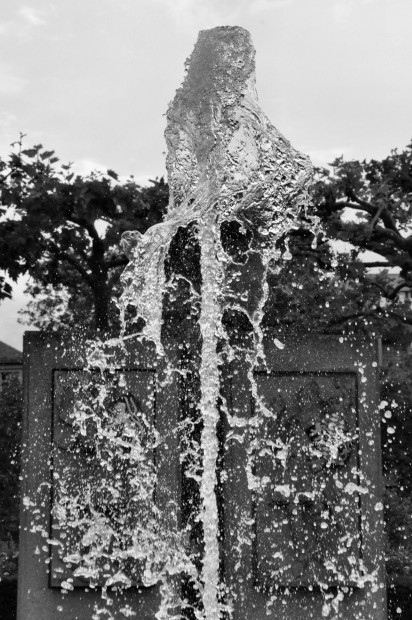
x: 240, y: 187
x: 226, y: 165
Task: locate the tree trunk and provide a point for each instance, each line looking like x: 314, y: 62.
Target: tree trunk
x: 101, y: 297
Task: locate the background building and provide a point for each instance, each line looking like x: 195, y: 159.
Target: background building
x: 10, y: 363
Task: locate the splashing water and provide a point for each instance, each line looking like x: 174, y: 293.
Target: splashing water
x: 227, y: 166
x: 237, y: 189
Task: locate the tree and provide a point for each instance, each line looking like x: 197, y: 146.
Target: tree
x: 368, y: 204
x: 5, y: 289
x: 11, y: 403
x: 64, y: 231
x: 377, y: 195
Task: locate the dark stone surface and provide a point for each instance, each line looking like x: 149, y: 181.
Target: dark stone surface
x: 304, y: 517
x: 301, y: 382
x: 75, y: 457
x: 400, y: 603
x: 8, y: 599
x: 306, y: 382
x: 52, y: 367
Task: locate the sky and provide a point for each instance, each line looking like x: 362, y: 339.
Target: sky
x: 92, y: 79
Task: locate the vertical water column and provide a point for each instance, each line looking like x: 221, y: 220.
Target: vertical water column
x: 227, y: 165
x: 210, y: 318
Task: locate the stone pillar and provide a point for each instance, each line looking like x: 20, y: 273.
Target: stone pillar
x: 56, y: 373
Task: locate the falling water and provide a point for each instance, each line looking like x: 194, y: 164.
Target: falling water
x: 227, y: 165
x: 239, y: 188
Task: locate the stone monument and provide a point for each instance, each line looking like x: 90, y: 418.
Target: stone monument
x: 211, y: 471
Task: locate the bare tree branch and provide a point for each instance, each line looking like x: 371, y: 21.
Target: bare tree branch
x: 407, y: 320
x: 355, y: 315
x: 362, y: 205
x: 120, y: 261
x: 404, y: 243
x: 396, y: 290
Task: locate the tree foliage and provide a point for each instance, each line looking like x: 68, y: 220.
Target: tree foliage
x: 64, y: 230
x: 369, y: 205
x: 365, y: 208
x: 11, y: 404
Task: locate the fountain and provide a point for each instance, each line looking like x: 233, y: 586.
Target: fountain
x: 226, y: 165
x: 240, y: 428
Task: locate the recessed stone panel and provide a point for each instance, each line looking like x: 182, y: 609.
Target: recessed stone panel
x: 301, y: 481
x: 63, y: 451
x: 84, y: 468
x: 307, y: 524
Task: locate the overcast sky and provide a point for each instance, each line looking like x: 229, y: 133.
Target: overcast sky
x: 92, y: 78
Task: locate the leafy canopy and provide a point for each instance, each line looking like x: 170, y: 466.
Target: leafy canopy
x: 63, y: 230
